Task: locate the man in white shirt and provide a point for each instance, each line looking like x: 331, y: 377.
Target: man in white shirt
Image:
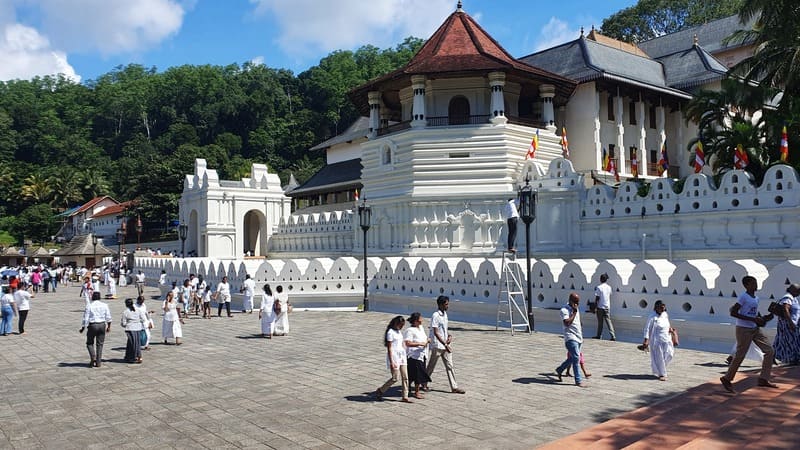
x: 602, y: 298
x: 573, y: 338
x: 22, y: 298
x: 440, y: 344
x: 748, y: 330
x: 249, y: 290
x: 140, y: 283
x: 511, y: 215
x: 223, y: 297
x: 97, y: 318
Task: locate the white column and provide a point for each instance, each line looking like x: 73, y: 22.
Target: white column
x: 598, y: 146
x: 497, y: 105
x: 418, y: 117
x: 619, y: 113
x: 661, y: 130
x: 642, y: 145
x: 374, y: 112
x: 547, y: 92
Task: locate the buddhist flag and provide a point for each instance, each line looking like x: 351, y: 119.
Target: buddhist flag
x: 699, y: 157
x: 635, y: 163
x: 606, y: 159
x: 663, y: 162
x: 564, y: 143
x: 613, y: 169
x: 784, y: 145
x: 740, y: 158
x: 356, y: 196
x: 533, y: 147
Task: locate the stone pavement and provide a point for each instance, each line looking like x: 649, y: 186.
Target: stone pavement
x: 228, y: 388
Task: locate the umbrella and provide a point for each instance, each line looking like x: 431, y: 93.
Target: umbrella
x: 9, y: 273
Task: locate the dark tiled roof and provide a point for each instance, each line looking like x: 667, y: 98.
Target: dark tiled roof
x: 586, y: 60
x: 358, y: 129
x: 709, y: 35
x: 691, y: 68
x: 338, y: 175
x: 82, y: 246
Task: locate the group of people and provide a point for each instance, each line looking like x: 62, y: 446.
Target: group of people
x: 412, y: 355
x: 136, y: 320
x: 15, y: 302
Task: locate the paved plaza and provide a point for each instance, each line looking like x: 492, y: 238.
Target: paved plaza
x: 226, y: 387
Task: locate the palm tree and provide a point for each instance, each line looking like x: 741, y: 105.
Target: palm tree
x: 36, y: 188
x: 94, y: 183
x: 66, y: 191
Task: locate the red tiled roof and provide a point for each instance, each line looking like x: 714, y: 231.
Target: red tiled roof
x: 89, y: 204
x: 114, y: 209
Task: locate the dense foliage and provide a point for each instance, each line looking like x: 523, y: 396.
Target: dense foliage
x: 652, y: 18
x: 134, y: 132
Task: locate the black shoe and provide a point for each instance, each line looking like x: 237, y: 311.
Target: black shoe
x: 613, y: 339
x: 596, y: 337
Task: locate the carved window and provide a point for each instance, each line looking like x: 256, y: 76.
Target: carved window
x: 458, y: 111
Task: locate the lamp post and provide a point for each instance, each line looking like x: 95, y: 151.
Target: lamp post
x: 120, y: 234
x: 365, y: 221
x: 527, y: 211
x: 94, y: 247
x: 183, y: 230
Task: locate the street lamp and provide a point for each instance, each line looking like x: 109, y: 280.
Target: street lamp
x: 365, y: 221
x: 527, y: 211
x: 183, y: 230
x: 94, y: 247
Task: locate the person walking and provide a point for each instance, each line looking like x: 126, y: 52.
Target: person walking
x: 281, y: 310
x: 787, y: 338
x: 185, y: 297
x: 748, y: 329
x: 573, y: 338
x: 223, y: 297
x: 97, y: 318
x: 133, y: 322
x: 658, y: 336
x: 22, y: 297
x: 416, y: 348
x: 602, y: 298
x: 8, y: 309
x: 248, y: 290
x: 440, y: 344
x: 266, y: 313
x: 396, y: 358
x: 140, y: 283
x: 87, y: 290
x: 172, y: 321
x: 149, y: 325
x: 511, y: 214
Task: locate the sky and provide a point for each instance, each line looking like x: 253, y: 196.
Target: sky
x: 84, y: 39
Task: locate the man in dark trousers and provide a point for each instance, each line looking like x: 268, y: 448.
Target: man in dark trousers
x: 97, y: 318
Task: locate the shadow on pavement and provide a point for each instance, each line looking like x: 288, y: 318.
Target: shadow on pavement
x: 251, y: 336
x: 548, y: 378
x: 631, y: 376
x: 84, y: 364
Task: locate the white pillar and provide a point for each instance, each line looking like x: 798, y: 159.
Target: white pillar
x: 642, y: 145
x: 374, y: 112
x: 497, y: 106
x: 418, y: 117
x: 619, y: 113
x: 547, y: 92
x: 661, y: 129
x: 598, y: 146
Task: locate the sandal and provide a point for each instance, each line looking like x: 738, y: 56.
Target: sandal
x: 419, y: 396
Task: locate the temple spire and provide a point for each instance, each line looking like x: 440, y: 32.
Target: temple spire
x: 459, y: 7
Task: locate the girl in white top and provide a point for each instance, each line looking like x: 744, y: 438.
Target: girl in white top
x: 396, y: 358
x: 281, y: 309
x: 658, y: 338
x: 266, y: 314
x: 223, y: 297
x: 171, y: 325
x: 206, y: 300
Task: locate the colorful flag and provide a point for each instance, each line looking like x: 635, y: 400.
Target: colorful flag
x: 663, y: 163
x: 564, y: 143
x: 605, y: 161
x: 699, y: 157
x: 784, y: 145
x: 613, y: 169
x: 635, y: 163
x: 356, y: 196
x: 740, y: 158
x: 533, y: 147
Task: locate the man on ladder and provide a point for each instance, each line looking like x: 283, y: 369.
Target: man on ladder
x: 511, y: 214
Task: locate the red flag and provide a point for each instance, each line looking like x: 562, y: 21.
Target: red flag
x: 356, y: 196
x: 740, y: 158
x: 784, y: 145
x: 533, y: 147
x: 613, y: 169
x: 564, y: 143
x: 663, y: 163
x: 699, y: 157
x: 635, y: 163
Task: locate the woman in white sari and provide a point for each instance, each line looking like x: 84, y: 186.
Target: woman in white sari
x: 281, y: 309
x: 266, y: 314
x: 171, y: 325
x: 658, y: 338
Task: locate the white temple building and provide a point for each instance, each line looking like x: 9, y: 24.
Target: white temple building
x: 442, y: 146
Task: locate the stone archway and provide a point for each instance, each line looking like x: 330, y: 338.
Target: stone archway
x: 254, y: 233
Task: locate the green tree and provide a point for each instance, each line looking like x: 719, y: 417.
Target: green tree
x: 36, y: 189
x: 37, y: 223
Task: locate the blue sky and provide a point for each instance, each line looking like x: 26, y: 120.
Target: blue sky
x: 87, y: 38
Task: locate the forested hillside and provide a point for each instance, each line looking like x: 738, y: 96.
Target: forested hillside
x: 134, y: 132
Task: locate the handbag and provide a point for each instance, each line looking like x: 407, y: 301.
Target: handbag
x: 777, y: 309
x: 142, y: 337
x: 277, y: 307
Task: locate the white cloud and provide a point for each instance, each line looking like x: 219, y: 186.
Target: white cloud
x: 555, y: 32
x: 24, y: 53
x: 110, y: 26
x: 257, y: 61
x: 311, y: 26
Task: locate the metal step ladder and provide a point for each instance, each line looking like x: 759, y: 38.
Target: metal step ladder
x: 512, y: 295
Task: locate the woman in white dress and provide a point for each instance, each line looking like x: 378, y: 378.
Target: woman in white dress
x: 266, y: 314
x: 171, y: 325
x: 281, y: 309
x: 658, y: 338
x: 396, y: 358
x: 417, y: 341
